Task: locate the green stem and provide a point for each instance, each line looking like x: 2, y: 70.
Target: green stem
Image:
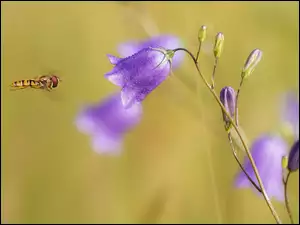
x: 287, y: 204
x: 198, y: 52
x: 238, y: 161
x: 236, y: 103
x: 239, y: 134
x: 213, y: 74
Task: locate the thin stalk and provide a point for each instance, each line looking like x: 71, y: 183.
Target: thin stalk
x: 197, y: 57
x: 238, y: 161
x: 214, y: 72
x: 198, y: 52
x: 236, y: 103
x: 287, y: 203
x: 239, y: 134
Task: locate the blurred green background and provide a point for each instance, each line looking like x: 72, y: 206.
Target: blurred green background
x: 177, y: 166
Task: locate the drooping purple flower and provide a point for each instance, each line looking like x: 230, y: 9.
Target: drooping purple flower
x: 163, y: 41
x: 140, y: 73
x: 267, y: 152
x: 107, y: 122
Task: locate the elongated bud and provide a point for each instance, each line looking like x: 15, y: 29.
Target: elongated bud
x: 228, y: 97
x: 219, y: 43
x: 293, y: 163
x: 251, y: 62
x: 202, y: 33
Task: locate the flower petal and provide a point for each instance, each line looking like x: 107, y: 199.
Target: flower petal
x: 107, y: 144
x: 128, y: 96
x: 267, y: 152
x: 113, y: 59
x: 115, y: 78
x: 85, y: 124
x: 107, y: 122
x: 129, y: 48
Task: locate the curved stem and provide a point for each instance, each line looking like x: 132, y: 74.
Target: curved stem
x: 239, y: 134
x: 238, y: 161
x: 287, y: 204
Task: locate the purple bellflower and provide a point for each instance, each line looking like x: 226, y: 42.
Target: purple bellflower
x: 267, y: 151
x: 107, y: 122
x: 140, y: 73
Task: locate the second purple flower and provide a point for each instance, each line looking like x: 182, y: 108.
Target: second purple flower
x: 107, y: 122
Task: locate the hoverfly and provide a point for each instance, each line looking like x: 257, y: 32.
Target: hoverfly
x: 45, y: 82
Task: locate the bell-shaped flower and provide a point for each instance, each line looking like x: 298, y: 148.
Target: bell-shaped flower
x: 140, y: 73
x: 107, y: 122
x: 267, y: 152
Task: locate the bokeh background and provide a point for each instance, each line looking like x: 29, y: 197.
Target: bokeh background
x: 177, y: 165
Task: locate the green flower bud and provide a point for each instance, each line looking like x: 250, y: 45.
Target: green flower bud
x: 219, y: 43
x: 251, y: 62
x: 202, y: 33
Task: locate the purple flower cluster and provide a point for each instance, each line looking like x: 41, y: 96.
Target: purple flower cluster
x: 268, y: 149
x: 144, y: 66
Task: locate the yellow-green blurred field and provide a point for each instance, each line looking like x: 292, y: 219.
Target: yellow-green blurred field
x: 177, y: 165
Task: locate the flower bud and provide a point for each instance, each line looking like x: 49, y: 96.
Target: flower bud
x: 251, y: 62
x: 202, y: 33
x: 293, y: 163
x: 219, y: 43
x: 228, y: 97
